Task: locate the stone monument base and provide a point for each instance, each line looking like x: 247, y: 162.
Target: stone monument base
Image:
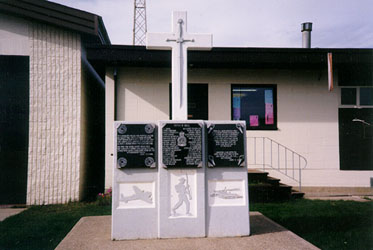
x: 180, y: 179
x: 227, y: 203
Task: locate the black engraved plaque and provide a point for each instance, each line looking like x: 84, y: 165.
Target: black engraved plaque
x: 182, y: 145
x: 136, y: 146
x: 226, y: 145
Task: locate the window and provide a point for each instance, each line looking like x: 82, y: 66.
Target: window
x: 355, y: 118
x: 197, y: 101
x: 256, y: 104
x: 348, y: 96
x: 356, y: 97
x: 366, y: 96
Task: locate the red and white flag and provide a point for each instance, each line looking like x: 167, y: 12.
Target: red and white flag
x: 330, y: 71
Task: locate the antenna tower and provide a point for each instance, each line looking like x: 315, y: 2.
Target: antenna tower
x: 139, y: 23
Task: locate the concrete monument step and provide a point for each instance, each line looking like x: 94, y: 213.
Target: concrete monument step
x: 94, y: 233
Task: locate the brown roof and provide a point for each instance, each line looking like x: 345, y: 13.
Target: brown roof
x: 88, y: 24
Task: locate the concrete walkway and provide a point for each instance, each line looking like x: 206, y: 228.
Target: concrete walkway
x: 7, y: 212
x: 94, y: 233
x: 342, y: 198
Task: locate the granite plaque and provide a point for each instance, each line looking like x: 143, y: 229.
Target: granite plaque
x: 226, y: 146
x: 182, y: 145
x: 136, y: 145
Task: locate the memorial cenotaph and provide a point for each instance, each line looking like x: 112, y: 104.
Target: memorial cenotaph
x: 162, y: 185
x: 181, y: 142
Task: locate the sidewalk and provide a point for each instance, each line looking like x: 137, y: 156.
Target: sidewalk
x: 95, y: 232
x: 341, y: 197
x: 7, y: 212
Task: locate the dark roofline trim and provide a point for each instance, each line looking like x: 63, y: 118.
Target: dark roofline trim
x: 101, y: 31
x: 58, y: 15
x: 223, y: 57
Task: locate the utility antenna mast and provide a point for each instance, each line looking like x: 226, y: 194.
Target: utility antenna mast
x: 139, y: 23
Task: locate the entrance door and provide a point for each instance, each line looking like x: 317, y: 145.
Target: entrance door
x: 197, y: 101
x: 14, y: 119
x: 356, y: 138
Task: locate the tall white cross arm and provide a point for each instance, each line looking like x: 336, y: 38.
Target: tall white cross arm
x: 179, y: 41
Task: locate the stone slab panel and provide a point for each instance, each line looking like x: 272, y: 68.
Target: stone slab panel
x: 182, y: 186
x: 135, y: 190
x: 227, y: 208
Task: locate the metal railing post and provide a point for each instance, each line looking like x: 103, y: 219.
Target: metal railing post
x: 271, y: 154
x: 255, y: 150
x: 286, y: 162
x: 278, y: 156
x: 264, y: 153
x: 278, y: 168
x: 300, y: 177
x: 293, y: 165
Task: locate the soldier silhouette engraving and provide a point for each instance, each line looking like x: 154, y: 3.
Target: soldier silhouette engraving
x: 183, y: 190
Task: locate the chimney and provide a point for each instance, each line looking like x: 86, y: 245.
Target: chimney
x: 306, y: 35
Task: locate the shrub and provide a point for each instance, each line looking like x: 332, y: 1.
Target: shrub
x: 104, y: 199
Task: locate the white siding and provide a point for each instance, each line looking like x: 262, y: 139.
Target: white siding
x: 55, y: 114
x: 143, y: 96
x: 307, y: 113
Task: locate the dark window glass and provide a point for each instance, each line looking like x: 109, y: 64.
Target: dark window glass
x: 197, y: 101
x: 366, y: 96
x: 256, y: 104
x: 355, y: 138
x: 14, y: 128
x: 348, y: 96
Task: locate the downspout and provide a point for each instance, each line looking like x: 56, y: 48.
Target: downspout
x: 93, y: 72
x: 115, y: 74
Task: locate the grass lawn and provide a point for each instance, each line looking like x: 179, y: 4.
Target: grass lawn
x: 43, y: 227
x: 326, y: 224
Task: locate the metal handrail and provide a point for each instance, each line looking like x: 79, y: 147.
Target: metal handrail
x: 282, y: 163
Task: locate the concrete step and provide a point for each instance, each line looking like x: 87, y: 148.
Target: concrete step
x: 296, y: 195
x: 265, y: 192
x: 256, y: 176
x: 273, y: 181
x: 263, y: 188
x: 285, y: 187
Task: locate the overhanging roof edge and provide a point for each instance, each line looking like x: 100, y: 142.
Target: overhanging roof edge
x: 57, y: 15
x: 129, y: 55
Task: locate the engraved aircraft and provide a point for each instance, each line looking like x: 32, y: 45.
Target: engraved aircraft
x: 226, y: 193
x: 139, y: 195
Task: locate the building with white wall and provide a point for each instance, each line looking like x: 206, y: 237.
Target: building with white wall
x: 56, y: 112
x: 282, y: 93
x: 51, y: 102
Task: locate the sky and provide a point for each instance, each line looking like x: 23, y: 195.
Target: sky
x: 245, y: 23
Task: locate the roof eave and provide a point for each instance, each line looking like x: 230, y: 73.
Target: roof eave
x: 88, y: 24
x: 281, y: 58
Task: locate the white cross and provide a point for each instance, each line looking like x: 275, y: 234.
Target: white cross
x: 179, y: 41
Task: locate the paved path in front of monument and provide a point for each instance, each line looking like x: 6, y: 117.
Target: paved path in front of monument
x: 95, y: 232
x: 7, y: 212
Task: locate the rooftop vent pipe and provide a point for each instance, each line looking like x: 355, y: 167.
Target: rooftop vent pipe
x: 306, y: 35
